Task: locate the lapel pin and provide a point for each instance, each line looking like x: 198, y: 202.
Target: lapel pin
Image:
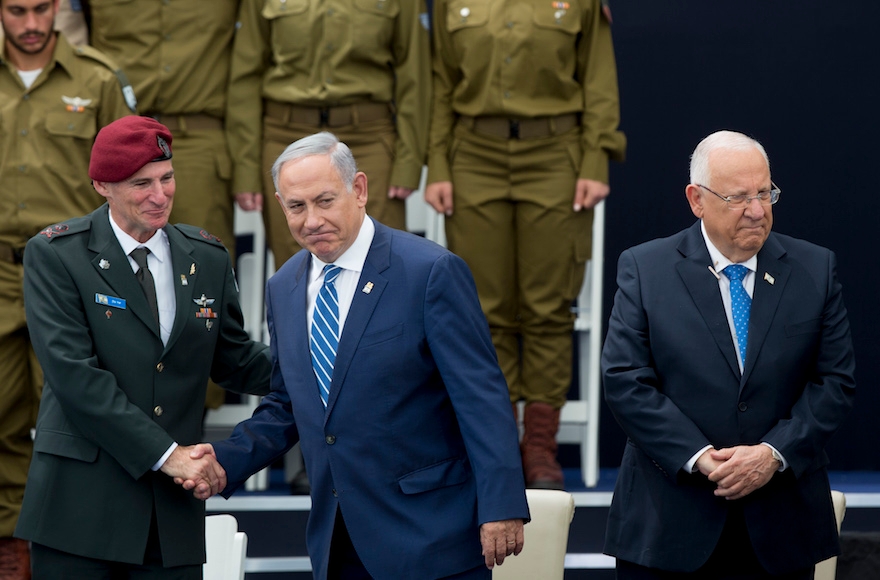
x: 108, y: 314
x: 368, y: 287
x: 104, y: 264
x: 209, y: 324
x: 183, y: 281
x: 769, y: 278
x: 192, y: 269
x: 714, y: 273
x: 203, y: 301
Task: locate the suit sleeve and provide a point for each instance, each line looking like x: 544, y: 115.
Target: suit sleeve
x: 650, y: 419
x: 458, y: 337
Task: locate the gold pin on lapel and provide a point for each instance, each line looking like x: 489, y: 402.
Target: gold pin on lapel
x: 192, y: 269
x: 183, y: 281
x: 769, y: 278
x: 368, y: 287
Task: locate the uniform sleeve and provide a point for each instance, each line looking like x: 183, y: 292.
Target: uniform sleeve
x: 446, y: 77
x: 244, y: 113
x: 597, y: 71
x: 412, y: 91
x: 113, y: 102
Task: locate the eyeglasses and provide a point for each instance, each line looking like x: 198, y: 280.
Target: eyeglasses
x: 743, y: 201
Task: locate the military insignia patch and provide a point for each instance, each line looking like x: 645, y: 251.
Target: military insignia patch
x: 54, y: 230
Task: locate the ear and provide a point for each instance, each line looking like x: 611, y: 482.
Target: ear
x: 359, y: 187
x: 695, y: 198
x: 101, y: 188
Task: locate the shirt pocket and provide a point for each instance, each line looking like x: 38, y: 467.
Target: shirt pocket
x: 465, y: 14
x: 373, y: 22
x: 289, y: 24
x: 564, y: 17
x: 78, y: 125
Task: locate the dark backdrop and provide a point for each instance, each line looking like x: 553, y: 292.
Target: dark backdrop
x: 801, y: 77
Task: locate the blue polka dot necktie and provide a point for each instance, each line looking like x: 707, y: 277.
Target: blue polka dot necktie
x: 740, y: 305
x: 325, y: 331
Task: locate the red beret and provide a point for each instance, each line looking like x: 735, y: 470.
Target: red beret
x: 127, y: 144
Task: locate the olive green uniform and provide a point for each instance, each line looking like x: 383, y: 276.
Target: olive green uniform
x: 46, y: 135
x: 177, y: 55
x: 357, y: 68
x: 525, y: 103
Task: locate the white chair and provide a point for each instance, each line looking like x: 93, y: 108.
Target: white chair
x: 546, y: 538
x: 225, y: 548
x: 827, y: 569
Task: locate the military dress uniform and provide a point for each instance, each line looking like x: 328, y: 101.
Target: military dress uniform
x: 357, y: 68
x: 46, y: 134
x: 525, y: 104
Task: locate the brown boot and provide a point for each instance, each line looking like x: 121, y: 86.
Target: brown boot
x: 15, y: 559
x: 538, y: 447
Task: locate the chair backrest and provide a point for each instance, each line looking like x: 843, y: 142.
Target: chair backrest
x: 225, y: 548
x: 546, y: 538
x: 827, y: 569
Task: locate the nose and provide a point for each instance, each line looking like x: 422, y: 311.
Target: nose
x: 755, y: 209
x: 313, y: 220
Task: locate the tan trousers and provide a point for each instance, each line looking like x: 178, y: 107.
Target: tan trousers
x: 372, y: 144
x: 514, y: 225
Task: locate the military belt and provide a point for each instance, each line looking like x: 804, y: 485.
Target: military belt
x: 507, y: 128
x: 327, y: 116
x: 183, y: 123
x: 11, y: 254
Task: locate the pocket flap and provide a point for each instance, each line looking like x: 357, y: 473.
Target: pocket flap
x: 65, y: 445
x: 444, y: 474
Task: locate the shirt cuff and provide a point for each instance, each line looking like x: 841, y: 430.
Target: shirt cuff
x: 158, y: 465
x: 778, y: 456
x: 691, y: 465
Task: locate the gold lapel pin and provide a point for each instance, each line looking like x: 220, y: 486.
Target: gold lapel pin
x: 192, y: 269
x: 769, y: 278
x: 368, y: 287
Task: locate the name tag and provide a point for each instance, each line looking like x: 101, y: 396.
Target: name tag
x: 110, y: 301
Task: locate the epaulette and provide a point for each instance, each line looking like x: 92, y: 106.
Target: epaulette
x: 197, y: 233
x: 67, y: 228
x: 98, y: 56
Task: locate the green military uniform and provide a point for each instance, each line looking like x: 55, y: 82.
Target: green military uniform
x: 357, y: 68
x: 46, y: 135
x: 116, y: 398
x: 177, y: 56
x: 525, y: 104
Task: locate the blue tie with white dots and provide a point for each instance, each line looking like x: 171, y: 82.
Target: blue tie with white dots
x: 740, y: 305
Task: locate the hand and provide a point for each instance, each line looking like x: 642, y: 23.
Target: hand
x: 195, y: 467
x: 588, y: 193
x: 744, y: 469
x: 439, y: 196
x: 395, y: 191
x: 250, y: 200
x: 706, y: 464
x: 501, y: 539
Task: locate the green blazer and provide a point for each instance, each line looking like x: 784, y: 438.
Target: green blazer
x: 115, y: 398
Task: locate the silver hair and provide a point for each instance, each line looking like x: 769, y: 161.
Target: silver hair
x: 700, y: 170
x: 323, y: 143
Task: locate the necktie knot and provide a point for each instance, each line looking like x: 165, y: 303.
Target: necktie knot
x: 735, y: 272
x: 331, y: 272
x: 140, y: 256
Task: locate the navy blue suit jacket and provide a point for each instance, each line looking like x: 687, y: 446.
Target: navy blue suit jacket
x: 418, y: 445
x: 673, y: 383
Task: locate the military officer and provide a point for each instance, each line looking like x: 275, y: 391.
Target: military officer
x: 524, y: 122
x: 53, y: 100
x: 358, y: 68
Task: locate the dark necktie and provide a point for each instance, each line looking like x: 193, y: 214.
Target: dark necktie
x: 740, y: 305
x: 325, y: 331
x: 145, y: 277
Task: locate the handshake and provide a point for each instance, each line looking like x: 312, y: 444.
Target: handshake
x: 195, y: 467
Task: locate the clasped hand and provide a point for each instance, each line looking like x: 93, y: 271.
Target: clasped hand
x: 195, y: 467
x: 738, y: 471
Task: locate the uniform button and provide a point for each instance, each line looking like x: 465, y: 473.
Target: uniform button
x: 334, y: 493
x: 508, y: 60
x: 167, y: 37
x: 160, y: 367
x: 743, y: 407
x: 331, y: 12
x: 157, y: 410
x: 70, y: 126
x: 506, y: 94
x: 510, y: 24
x: 166, y: 68
x: 22, y: 168
x: 26, y: 98
x: 24, y: 132
x: 329, y: 47
x: 329, y: 80
x: 330, y: 439
x: 465, y: 12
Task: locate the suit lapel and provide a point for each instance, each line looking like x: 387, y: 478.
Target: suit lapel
x: 184, y: 266
x: 111, y: 264
x: 703, y: 288
x: 765, y: 299
x: 362, y: 307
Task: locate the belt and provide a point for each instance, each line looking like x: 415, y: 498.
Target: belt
x: 506, y: 128
x: 327, y: 116
x: 189, y: 122
x: 11, y: 254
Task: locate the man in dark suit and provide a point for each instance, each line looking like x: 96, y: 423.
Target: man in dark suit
x: 728, y: 388
x: 408, y: 437
x: 126, y: 364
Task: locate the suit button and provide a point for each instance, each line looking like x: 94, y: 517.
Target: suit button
x: 330, y: 439
x: 157, y: 410
x: 743, y: 407
x: 334, y: 493
x: 160, y: 367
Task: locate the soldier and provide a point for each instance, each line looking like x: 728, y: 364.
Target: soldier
x: 53, y: 100
x: 177, y: 56
x: 524, y: 121
x: 360, y: 69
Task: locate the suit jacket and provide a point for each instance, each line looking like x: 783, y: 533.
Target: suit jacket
x: 673, y: 383
x: 417, y: 446
x: 115, y: 398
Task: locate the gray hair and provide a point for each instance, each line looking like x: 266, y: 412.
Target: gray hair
x: 323, y: 143
x: 700, y: 170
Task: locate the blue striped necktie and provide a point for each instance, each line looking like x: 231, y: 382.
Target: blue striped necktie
x: 740, y: 305
x: 325, y: 331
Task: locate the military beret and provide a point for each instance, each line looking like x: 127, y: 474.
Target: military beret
x: 127, y: 144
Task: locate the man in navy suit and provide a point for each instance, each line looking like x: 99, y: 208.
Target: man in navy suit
x: 411, y: 448
x: 728, y: 387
